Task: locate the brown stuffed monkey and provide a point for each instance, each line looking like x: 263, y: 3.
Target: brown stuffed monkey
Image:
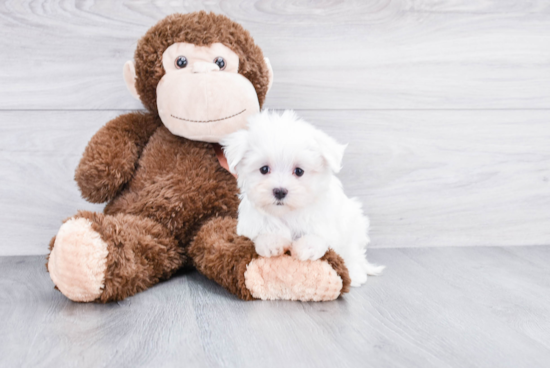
x: 170, y: 201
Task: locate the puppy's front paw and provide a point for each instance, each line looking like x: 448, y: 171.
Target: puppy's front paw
x: 309, y: 248
x: 271, y: 245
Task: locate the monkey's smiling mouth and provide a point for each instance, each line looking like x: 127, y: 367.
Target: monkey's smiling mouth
x: 207, y: 121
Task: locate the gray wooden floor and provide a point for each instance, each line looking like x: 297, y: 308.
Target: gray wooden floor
x: 446, y: 109
x: 435, y: 307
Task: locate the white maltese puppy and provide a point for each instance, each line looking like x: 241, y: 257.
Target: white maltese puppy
x: 290, y: 197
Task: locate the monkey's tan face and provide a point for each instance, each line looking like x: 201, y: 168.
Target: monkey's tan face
x: 202, y: 96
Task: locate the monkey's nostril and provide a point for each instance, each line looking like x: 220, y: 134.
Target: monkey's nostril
x: 280, y: 193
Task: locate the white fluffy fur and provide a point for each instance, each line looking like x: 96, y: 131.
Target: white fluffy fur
x: 315, y: 214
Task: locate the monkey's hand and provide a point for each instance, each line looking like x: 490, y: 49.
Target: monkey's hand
x: 110, y: 158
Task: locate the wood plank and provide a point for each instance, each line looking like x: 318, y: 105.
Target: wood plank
x: 433, y: 307
x: 340, y: 55
x: 426, y: 178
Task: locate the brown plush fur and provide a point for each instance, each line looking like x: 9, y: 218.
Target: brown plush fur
x: 202, y: 29
x: 110, y: 159
x: 136, y: 246
x: 337, y: 262
x: 223, y: 256
x: 171, y: 204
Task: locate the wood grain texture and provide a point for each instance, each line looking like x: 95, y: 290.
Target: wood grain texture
x: 380, y: 54
x: 433, y: 307
x: 426, y: 178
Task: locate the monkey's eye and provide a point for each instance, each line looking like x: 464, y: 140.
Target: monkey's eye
x: 298, y: 172
x: 264, y: 170
x: 181, y: 62
x: 220, y: 62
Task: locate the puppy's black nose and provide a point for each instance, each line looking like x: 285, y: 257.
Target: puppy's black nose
x: 280, y: 193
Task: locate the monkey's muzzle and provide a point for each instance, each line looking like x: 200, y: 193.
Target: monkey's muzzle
x: 205, y: 106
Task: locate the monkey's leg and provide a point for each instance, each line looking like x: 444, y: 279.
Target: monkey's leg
x: 230, y: 260
x: 103, y: 258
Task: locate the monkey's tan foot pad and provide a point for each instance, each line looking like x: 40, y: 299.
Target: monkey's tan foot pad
x: 286, y: 278
x: 78, y: 261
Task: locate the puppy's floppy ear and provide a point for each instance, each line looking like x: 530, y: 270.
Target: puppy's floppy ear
x: 235, y: 146
x: 332, y: 151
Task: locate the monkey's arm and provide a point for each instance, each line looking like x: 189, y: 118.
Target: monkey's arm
x: 109, y: 160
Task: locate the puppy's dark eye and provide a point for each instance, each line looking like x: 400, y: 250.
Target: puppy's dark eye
x: 298, y: 172
x: 264, y: 170
x: 220, y: 62
x: 181, y: 62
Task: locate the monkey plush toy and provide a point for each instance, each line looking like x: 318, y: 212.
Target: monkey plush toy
x: 170, y: 201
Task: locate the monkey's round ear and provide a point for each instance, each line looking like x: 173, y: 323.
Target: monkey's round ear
x: 269, y: 73
x: 129, y: 73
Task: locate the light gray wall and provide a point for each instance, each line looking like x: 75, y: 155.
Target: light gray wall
x: 445, y: 104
